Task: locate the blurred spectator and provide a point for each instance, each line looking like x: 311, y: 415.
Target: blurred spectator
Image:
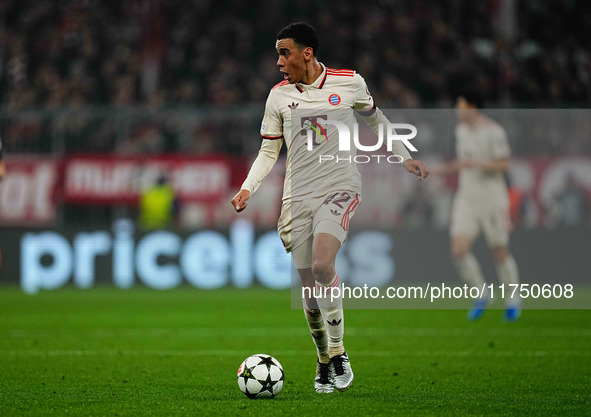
x: 418, y: 210
x: 146, y: 139
x: 218, y: 54
x: 158, y: 207
x: 574, y: 204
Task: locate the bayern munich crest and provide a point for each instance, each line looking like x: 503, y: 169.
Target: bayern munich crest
x: 334, y: 99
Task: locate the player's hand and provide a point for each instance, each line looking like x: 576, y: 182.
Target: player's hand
x: 414, y: 166
x: 239, y: 201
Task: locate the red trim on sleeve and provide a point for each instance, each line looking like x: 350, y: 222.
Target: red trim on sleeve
x: 281, y: 84
x: 340, y: 69
x: 340, y: 72
x: 271, y: 137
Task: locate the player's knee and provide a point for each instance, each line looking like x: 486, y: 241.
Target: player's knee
x: 459, y: 252
x: 323, y: 270
x: 500, y: 254
x: 460, y: 248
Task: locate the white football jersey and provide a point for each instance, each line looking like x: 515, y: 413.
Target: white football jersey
x: 485, y: 142
x: 294, y: 109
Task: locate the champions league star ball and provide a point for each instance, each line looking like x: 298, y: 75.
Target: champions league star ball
x: 260, y: 376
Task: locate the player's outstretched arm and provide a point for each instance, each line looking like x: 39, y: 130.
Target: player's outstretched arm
x: 497, y: 165
x: 414, y: 166
x: 260, y: 168
x: 448, y: 169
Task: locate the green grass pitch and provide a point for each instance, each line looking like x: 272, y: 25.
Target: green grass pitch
x: 140, y: 352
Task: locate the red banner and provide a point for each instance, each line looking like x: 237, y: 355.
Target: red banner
x: 113, y: 179
x: 27, y: 193
x: 553, y: 191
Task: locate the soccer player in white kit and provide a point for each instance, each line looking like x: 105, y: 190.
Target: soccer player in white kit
x: 481, y: 203
x: 319, y: 199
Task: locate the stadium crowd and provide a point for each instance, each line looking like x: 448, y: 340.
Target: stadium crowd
x: 104, y: 76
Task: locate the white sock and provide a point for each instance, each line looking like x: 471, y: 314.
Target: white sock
x: 509, y: 274
x: 332, y: 311
x: 318, y: 331
x: 469, y: 271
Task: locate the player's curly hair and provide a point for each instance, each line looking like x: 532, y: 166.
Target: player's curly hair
x: 303, y: 35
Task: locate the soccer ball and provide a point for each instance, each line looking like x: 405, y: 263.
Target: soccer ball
x: 260, y: 376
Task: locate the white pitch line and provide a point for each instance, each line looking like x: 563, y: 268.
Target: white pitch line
x: 378, y: 353
x: 295, y: 331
